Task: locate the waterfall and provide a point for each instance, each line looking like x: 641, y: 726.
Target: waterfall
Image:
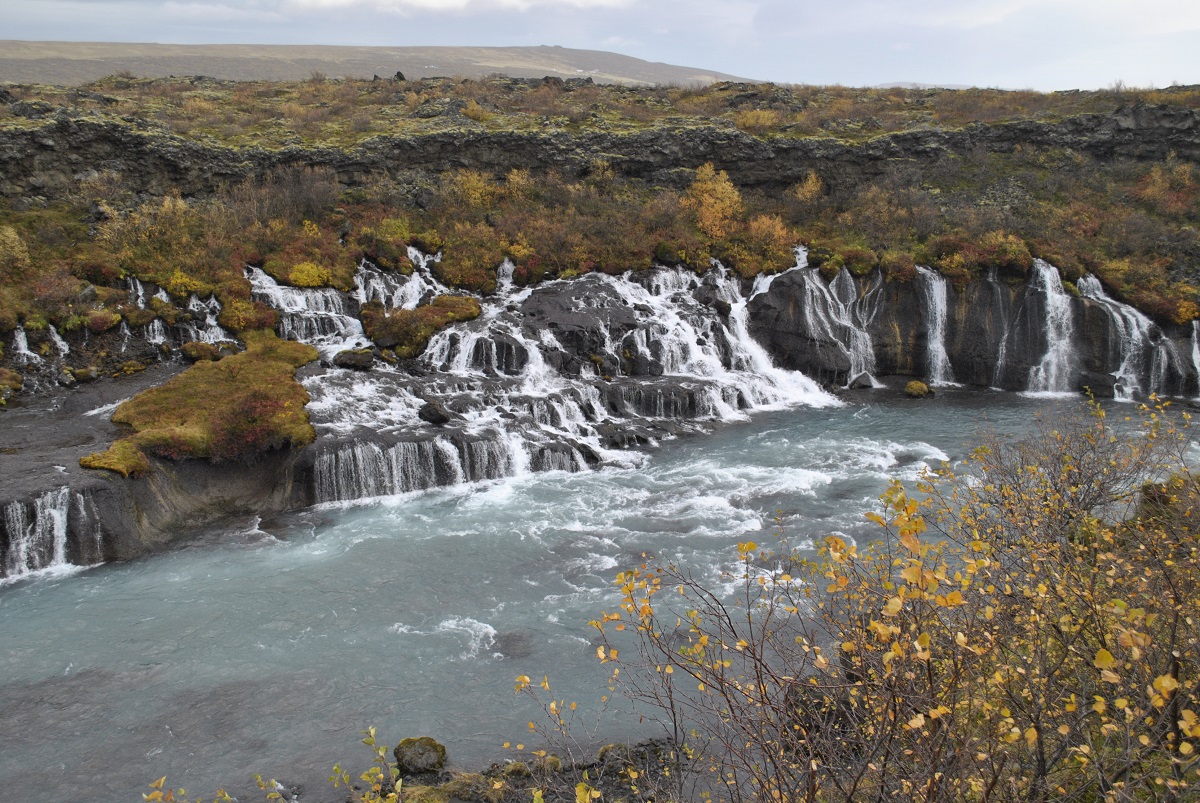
x: 60, y: 345
x: 526, y: 396
x: 933, y: 298
x: 321, y: 316
x: 1001, y: 300
x: 137, y: 293
x: 362, y: 468
x: 156, y: 332
x: 1196, y: 352
x: 207, y: 329
x: 1143, y: 353
x: 837, y: 315
x: 1054, y: 374
x: 37, y: 534
x: 20, y: 348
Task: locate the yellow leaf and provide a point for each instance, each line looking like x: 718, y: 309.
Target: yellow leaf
x: 1104, y: 659
x: 1165, y: 684
x: 954, y: 599
x: 1031, y: 736
x: 960, y: 639
x: 893, y: 606
x: 917, y: 722
x: 1185, y: 749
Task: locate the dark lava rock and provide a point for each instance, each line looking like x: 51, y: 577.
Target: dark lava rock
x: 419, y: 755
x: 861, y: 382
x: 434, y: 412
x: 356, y: 359
x: 1101, y: 386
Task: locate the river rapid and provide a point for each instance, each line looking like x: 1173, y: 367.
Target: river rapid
x: 266, y: 646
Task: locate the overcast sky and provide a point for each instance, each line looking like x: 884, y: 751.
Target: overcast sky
x: 1041, y: 44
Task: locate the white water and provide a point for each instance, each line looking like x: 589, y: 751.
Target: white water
x: 60, y: 345
x: 1196, y: 349
x: 837, y: 315
x: 1144, y: 354
x: 322, y: 317
x: 20, y: 348
x: 38, y: 537
x: 933, y: 297
x: 209, y: 331
x: 515, y: 412
x: 1054, y: 374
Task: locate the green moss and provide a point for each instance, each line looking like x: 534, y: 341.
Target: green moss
x: 425, y: 794
x: 232, y: 409
x: 917, y: 390
x: 407, y: 332
x: 123, y: 457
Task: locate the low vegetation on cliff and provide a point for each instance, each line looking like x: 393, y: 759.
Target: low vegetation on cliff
x: 225, y: 410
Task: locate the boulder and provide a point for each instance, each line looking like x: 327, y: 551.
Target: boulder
x: 355, y: 359
x: 434, y: 412
x: 419, y: 755
x: 917, y: 390
x: 1099, y: 385
x: 861, y: 382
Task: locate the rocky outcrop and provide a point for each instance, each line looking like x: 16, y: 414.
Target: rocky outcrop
x: 52, y: 159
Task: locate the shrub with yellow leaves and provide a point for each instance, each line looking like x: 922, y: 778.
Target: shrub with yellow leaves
x: 1026, y: 630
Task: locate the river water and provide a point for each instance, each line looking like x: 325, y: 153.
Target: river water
x: 267, y: 646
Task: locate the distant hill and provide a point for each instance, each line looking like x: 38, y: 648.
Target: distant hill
x: 68, y: 63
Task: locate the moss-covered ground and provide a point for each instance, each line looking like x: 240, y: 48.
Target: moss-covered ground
x: 225, y: 410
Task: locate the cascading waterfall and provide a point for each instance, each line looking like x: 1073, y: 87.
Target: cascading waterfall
x: 60, y: 345
x: 933, y: 298
x: 1001, y: 302
x: 1196, y: 350
x: 1143, y: 353
x: 522, y: 401
x: 37, y: 534
x: 836, y: 314
x: 322, y: 317
x: 1054, y: 374
x: 20, y: 348
x: 209, y: 330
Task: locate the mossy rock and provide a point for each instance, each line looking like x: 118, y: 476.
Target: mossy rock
x: 474, y: 787
x: 199, y: 351
x: 516, y: 769
x: 917, y: 390
x: 355, y: 359
x: 419, y: 755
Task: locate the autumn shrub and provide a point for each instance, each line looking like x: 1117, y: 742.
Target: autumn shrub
x: 1022, y: 631
x: 470, y: 256
x: 407, y: 332
x: 898, y: 266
